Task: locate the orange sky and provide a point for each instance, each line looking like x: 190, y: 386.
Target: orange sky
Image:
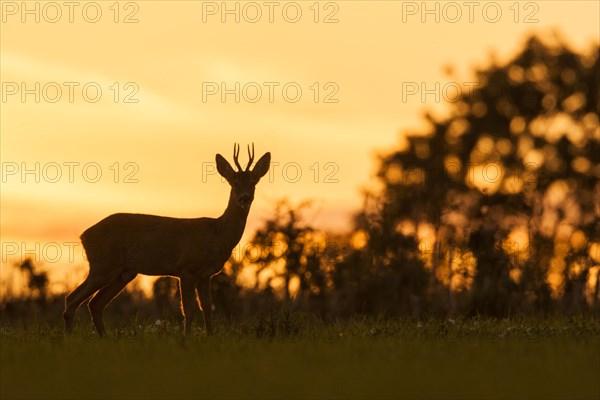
x: 170, y: 54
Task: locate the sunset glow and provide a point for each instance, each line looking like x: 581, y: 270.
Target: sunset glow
x: 299, y: 199
x: 148, y: 143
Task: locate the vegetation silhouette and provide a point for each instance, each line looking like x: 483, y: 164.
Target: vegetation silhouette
x: 509, y: 184
x: 493, y: 210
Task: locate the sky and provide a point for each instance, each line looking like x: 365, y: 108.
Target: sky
x: 121, y: 106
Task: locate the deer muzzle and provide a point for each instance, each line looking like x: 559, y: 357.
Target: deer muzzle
x: 245, y: 200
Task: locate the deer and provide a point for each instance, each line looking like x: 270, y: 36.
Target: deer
x: 123, y: 245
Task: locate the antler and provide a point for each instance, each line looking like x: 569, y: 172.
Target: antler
x: 250, y: 156
x: 236, y: 153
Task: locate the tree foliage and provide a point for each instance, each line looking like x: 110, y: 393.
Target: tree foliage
x: 491, y: 210
x: 507, y: 184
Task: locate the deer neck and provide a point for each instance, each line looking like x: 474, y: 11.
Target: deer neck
x: 233, y: 220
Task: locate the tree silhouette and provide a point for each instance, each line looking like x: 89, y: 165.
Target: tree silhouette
x: 508, y: 183
x: 292, y: 250
x: 37, y: 281
x: 165, y: 292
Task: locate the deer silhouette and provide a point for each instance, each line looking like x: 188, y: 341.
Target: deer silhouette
x: 123, y: 245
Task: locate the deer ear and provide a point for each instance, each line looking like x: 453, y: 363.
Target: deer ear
x: 262, y: 166
x: 224, y: 168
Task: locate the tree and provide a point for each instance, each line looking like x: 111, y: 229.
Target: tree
x: 291, y: 250
x: 503, y: 192
x: 37, y: 281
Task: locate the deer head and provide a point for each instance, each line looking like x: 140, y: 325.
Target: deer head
x: 243, y: 181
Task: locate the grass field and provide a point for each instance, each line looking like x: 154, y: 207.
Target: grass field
x: 300, y: 357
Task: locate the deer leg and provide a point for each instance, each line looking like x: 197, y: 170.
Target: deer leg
x: 206, y: 303
x: 187, y: 288
x: 78, y: 296
x: 99, y: 302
